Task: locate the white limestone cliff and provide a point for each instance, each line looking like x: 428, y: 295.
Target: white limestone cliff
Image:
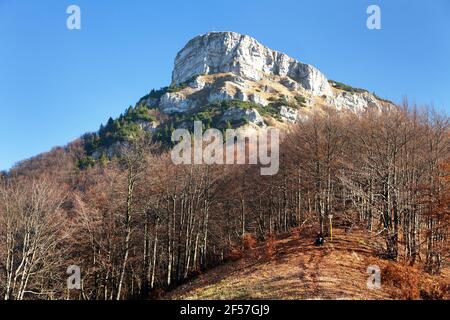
x: 230, y: 52
x: 353, y: 101
x: 224, y: 66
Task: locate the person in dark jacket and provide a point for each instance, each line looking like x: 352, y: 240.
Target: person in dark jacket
x: 319, y: 239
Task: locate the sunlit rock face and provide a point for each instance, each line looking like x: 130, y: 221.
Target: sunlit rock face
x: 229, y: 52
x: 355, y: 102
x: 259, y: 86
x: 252, y: 116
x: 175, y: 102
x: 288, y: 114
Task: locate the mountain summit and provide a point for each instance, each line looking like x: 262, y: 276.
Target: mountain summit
x: 258, y: 84
x: 228, y: 80
x: 230, y: 52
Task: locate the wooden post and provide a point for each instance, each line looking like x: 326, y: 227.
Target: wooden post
x: 330, y: 216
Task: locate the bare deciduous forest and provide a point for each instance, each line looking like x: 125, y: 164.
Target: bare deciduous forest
x: 138, y: 224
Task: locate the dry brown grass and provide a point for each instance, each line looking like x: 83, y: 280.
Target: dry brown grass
x: 269, y: 247
x: 403, y: 279
x: 248, y: 242
x: 235, y: 254
x: 294, y: 268
x: 405, y: 282
x: 436, y: 290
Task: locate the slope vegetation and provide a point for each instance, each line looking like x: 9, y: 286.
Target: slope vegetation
x: 297, y: 269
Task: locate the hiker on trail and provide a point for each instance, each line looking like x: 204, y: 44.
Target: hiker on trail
x: 319, y: 239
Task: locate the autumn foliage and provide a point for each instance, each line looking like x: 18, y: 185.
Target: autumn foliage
x: 137, y: 224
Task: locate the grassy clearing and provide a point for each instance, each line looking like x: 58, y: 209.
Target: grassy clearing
x: 299, y: 270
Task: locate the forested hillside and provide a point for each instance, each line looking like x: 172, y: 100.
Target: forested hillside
x: 136, y: 224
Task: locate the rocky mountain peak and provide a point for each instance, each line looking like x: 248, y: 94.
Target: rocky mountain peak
x: 217, y: 71
x: 242, y: 55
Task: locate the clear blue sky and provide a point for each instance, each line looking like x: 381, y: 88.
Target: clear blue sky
x: 56, y: 84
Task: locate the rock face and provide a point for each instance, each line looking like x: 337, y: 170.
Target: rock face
x: 229, y: 52
x: 288, y: 114
x: 175, y: 102
x: 252, y: 116
x: 355, y: 102
x: 277, y: 89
